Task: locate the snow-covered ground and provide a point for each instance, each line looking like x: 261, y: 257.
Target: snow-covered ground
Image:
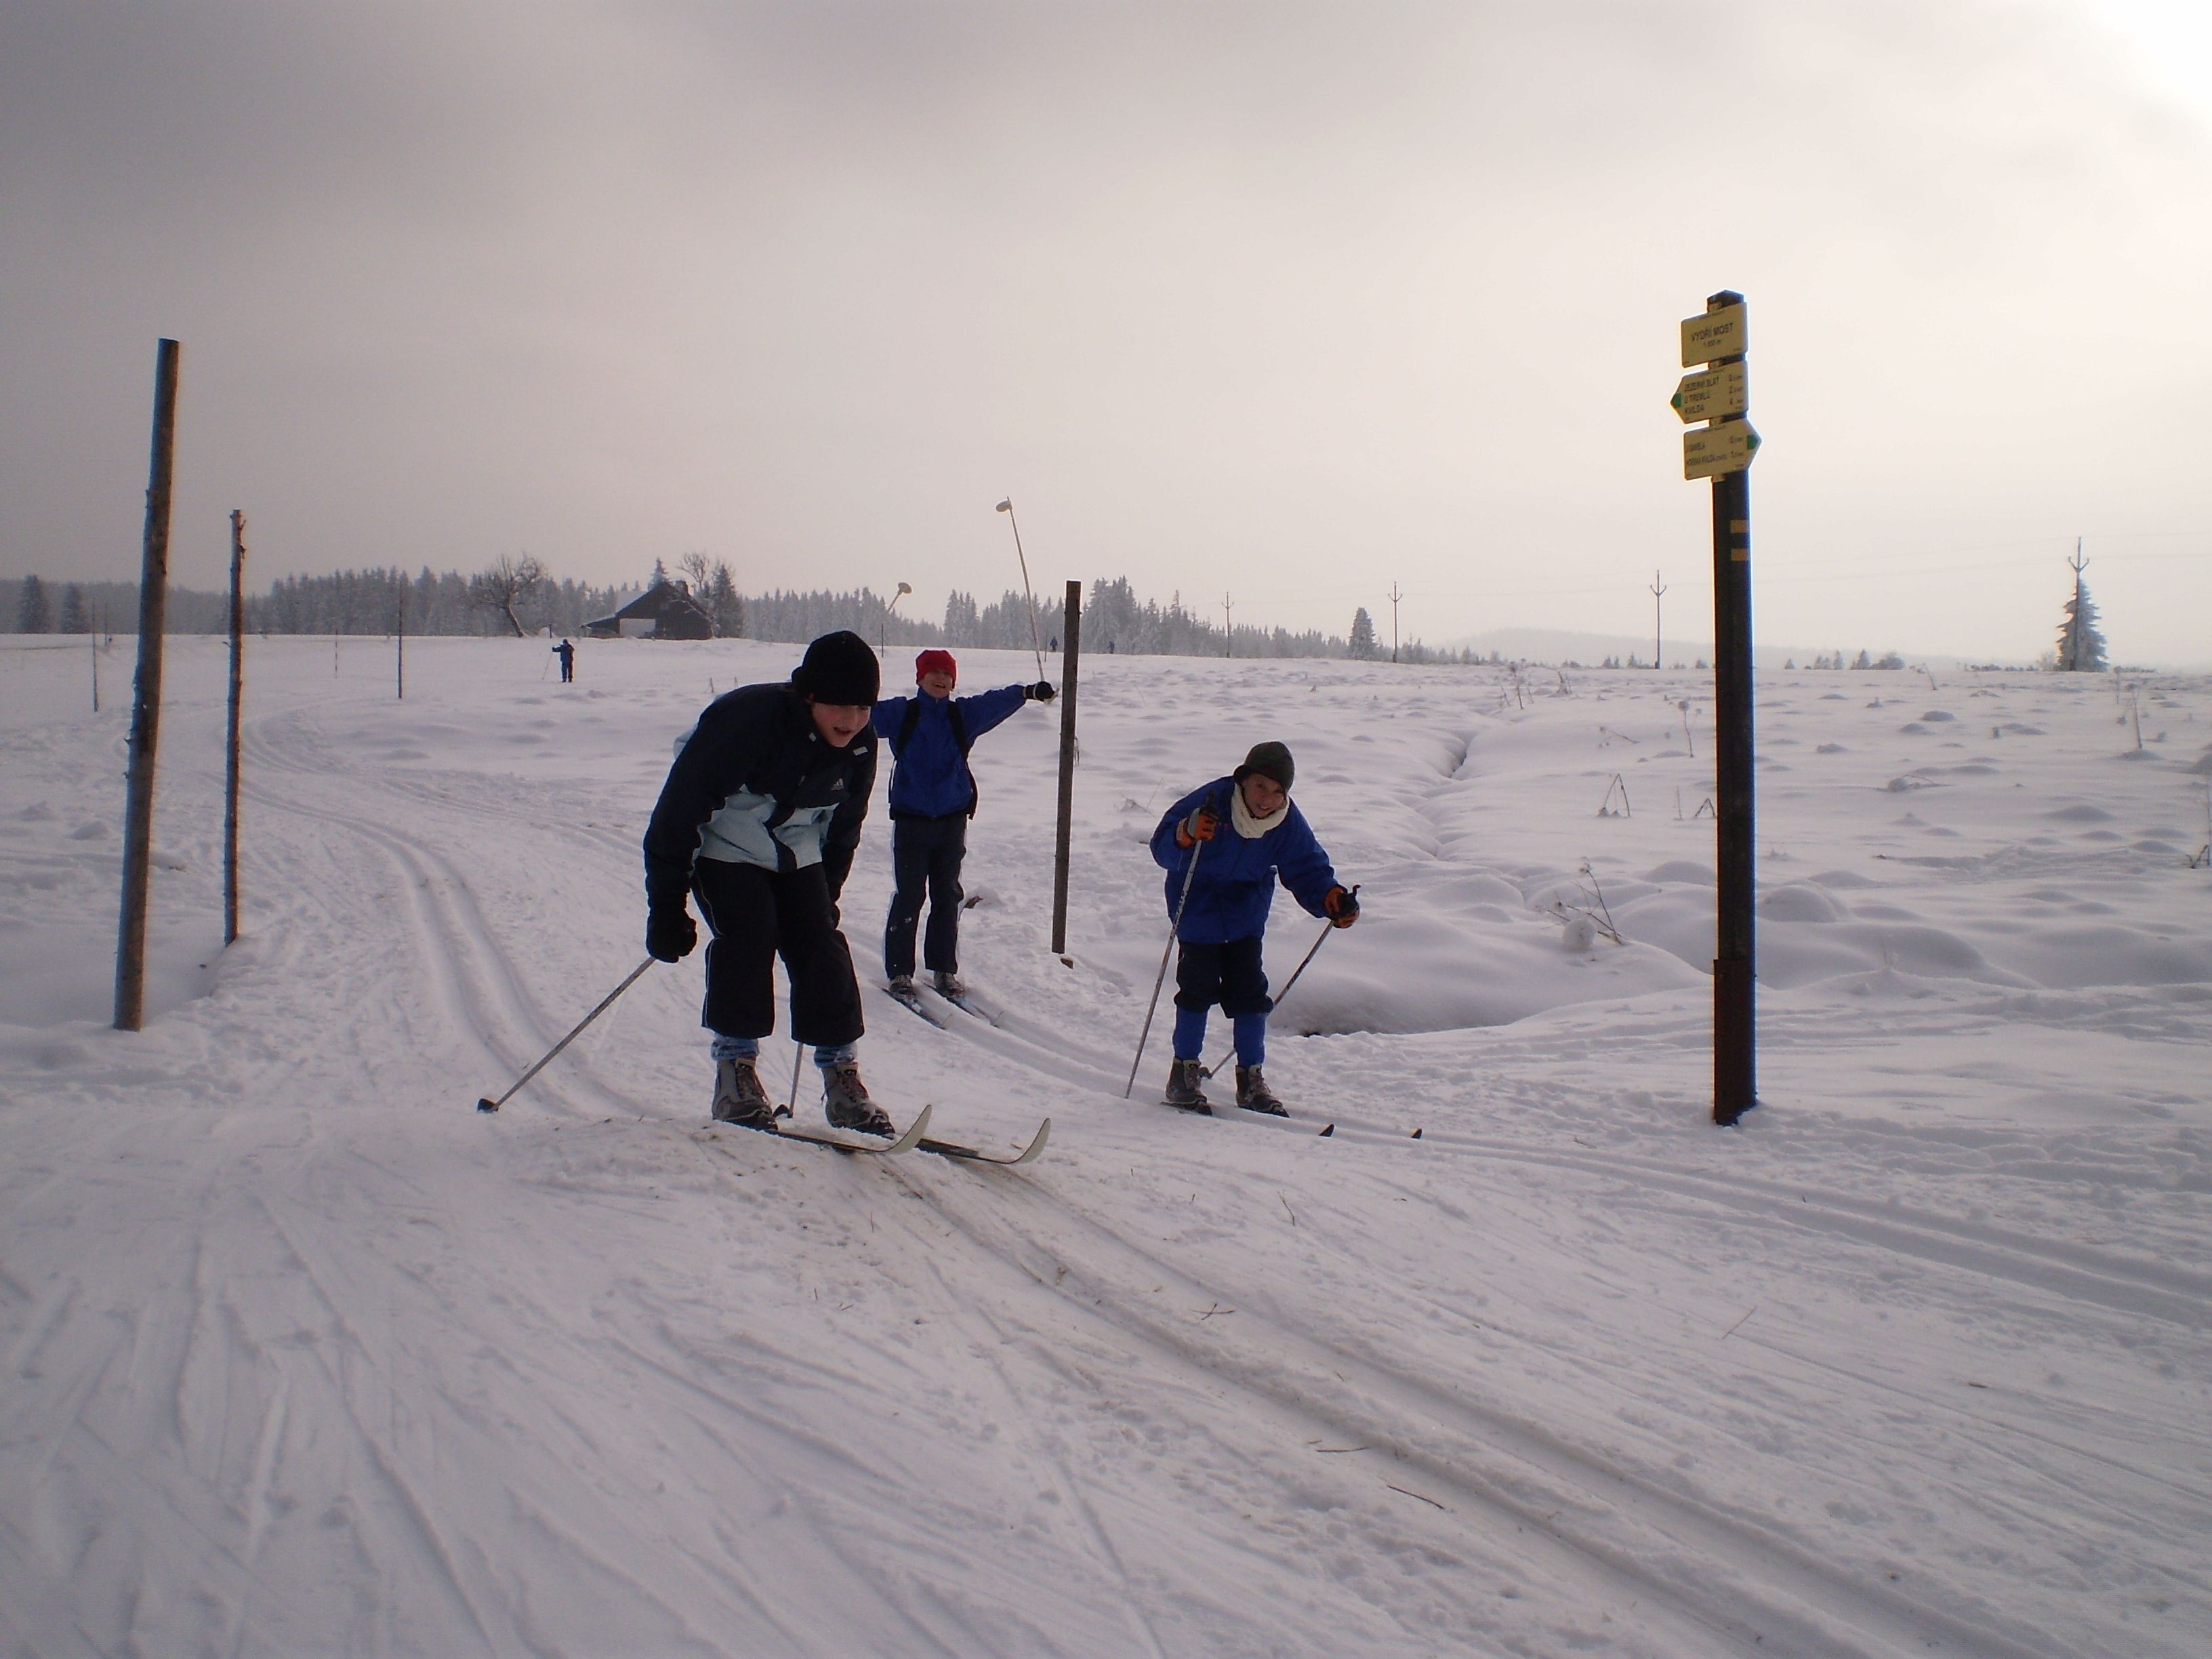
x: 303, y: 1355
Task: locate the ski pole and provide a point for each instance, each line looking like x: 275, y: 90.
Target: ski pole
x: 1214, y: 1070
x: 487, y: 1104
x: 1007, y: 506
x: 797, y: 1060
x: 1174, y: 928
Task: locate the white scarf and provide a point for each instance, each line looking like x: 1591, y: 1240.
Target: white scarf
x: 1248, y: 826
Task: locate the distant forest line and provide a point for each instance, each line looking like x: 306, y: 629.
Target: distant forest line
x: 504, y: 600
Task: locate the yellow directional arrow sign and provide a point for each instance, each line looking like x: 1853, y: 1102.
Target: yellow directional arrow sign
x: 1723, y: 447
x: 1714, y: 395
x: 1720, y: 333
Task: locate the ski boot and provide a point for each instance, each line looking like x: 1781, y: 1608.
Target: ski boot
x: 1254, y: 1095
x: 902, y: 987
x: 948, y: 984
x: 1183, y: 1092
x: 846, y: 1104
x: 739, y: 1098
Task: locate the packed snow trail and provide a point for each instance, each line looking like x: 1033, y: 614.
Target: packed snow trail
x: 304, y: 1354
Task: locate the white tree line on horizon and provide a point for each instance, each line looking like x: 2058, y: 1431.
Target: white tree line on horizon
x: 515, y: 595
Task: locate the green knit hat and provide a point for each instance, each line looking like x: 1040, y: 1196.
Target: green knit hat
x: 1270, y: 760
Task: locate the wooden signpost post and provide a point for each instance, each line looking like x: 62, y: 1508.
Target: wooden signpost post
x: 1723, y: 450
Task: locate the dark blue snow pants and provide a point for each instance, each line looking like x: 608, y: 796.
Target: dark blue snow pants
x: 925, y: 859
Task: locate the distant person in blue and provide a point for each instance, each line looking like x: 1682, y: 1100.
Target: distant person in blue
x: 567, y: 652
x: 1229, y: 886
x: 933, y: 796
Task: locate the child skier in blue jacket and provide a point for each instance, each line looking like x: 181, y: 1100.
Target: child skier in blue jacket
x: 933, y: 796
x: 1223, y: 884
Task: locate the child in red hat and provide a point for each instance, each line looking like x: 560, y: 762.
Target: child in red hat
x: 933, y: 796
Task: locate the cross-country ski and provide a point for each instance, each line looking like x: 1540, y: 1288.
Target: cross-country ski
x: 1033, y: 1148
x: 914, y: 1135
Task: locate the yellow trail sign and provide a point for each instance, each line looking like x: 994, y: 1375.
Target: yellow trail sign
x: 1714, y: 395
x: 1723, y: 447
x: 1721, y: 333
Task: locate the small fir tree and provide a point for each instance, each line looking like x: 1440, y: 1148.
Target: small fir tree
x: 2081, y: 642
x: 725, y: 604
x: 76, y: 618
x: 34, y: 610
x: 1363, y: 633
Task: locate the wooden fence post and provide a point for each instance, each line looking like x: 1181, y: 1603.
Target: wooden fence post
x: 237, y: 699
x: 146, y: 711
x: 1072, y: 631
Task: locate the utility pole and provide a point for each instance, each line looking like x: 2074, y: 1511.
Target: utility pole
x: 1657, y: 590
x: 399, y: 640
x: 1229, y: 639
x: 146, y: 707
x: 1395, y: 596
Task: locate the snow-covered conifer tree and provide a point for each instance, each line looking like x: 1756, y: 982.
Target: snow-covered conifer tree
x: 2081, y: 642
x: 1363, y: 633
x: 34, y: 612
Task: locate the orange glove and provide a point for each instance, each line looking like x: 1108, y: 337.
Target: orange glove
x: 1201, y: 825
x: 1341, y: 906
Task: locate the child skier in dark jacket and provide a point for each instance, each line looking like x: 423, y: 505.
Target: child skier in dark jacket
x: 759, y: 819
x: 1223, y: 846
x: 933, y: 796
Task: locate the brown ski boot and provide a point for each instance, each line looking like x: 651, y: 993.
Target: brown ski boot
x: 739, y: 1098
x: 845, y: 1101
x: 1254, y: 1095
x: 1183, y: 1092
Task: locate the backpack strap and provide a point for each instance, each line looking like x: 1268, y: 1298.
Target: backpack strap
x: 961, y: 738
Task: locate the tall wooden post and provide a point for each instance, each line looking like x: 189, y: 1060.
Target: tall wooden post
x: 146, y: 711
x: 1722, y: 451
x: 400, y: 640
x: 237, y: 699
x: 1071, y: 656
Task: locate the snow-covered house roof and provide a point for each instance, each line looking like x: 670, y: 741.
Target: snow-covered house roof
x: 664, y: 611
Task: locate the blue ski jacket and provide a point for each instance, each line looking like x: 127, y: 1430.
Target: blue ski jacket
x: 930, y: 777
x: 1236, y: 879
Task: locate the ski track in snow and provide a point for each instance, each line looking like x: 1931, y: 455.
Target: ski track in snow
x: 303, y: 1355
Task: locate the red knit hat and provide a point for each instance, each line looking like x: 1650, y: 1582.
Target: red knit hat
x: 935, y: 661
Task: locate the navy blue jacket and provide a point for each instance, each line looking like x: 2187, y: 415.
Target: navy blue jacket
x: 1236, y: 879
x: 930, y: 777
x: 756, y: 783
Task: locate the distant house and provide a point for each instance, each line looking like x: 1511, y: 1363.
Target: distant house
x: 664, y: 611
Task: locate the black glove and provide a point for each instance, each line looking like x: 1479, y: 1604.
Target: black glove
x: 836, y: 865
x: 1042, y: 691
x: 671, y: 935
x: 1341, y: 906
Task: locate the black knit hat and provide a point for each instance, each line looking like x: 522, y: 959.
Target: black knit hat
x: 1271, y: 760
x: 839, y: 668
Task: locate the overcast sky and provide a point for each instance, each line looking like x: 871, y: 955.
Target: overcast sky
x: 1283, y: 301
